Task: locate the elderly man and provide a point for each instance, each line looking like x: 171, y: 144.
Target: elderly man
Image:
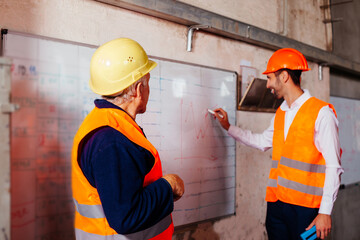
x: 305, y: 174
x: 118, y: 187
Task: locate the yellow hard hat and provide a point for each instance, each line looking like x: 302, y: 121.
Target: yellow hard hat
x: 116, y: 65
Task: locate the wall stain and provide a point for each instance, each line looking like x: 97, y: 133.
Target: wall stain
x: 4, y: 234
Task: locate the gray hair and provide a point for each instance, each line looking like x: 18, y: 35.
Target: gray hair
x: 126, y: 94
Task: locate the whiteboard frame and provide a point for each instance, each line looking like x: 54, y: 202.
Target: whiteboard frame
x: 5, y: 159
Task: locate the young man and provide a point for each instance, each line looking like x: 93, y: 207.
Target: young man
x: 305, y: 174
x: 118, y: 188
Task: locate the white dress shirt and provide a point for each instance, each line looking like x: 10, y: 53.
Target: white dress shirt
x: 326, y: 140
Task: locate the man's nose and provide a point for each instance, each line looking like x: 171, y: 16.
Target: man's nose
x: 267, y: 84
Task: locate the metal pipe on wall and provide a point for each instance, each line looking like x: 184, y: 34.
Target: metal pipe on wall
x: 190, y: 33
x: 285, y: 18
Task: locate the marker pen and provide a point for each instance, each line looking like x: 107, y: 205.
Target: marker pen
x: 213, y: 113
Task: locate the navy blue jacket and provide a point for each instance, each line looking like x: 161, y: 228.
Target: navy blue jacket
x: 116, y: 167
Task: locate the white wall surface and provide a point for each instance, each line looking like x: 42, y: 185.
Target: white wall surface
x: 90, y: 22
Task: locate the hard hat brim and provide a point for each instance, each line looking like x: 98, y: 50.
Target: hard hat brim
x: 125, y: 83
x: 272, y: 71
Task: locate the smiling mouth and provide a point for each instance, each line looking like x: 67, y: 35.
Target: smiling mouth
x: 275, y: 94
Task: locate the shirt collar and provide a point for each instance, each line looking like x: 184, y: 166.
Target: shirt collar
x: 102, y: 103
x: 298, y: 102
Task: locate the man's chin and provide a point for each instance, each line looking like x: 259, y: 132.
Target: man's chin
x: 142, y: 111
x: 276, y: 95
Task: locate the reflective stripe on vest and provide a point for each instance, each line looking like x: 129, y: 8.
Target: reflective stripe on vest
x: 300, y: 187
x: 141, y: 235
x: 308, y: 167
x: 89, y: 211
x: 274, y: 163
x: 272, y: 183
x: 294, y: 185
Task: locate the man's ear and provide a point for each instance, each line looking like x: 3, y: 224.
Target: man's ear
x: 285, y: 76
x: 139, y: 89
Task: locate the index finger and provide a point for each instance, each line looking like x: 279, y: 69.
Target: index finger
x: 219, y: 110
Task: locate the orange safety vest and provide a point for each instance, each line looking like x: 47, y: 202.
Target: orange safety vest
x: 297, y: 174
x: 90, y: 220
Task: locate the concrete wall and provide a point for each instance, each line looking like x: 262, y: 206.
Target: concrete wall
x: 346, y: 31
x: 91, y: 22
x: 291, y: 18
x: 346, y: 214
x: 344, y: 85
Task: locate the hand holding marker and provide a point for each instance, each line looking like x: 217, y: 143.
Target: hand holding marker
x: 221, y: 116
x: 213, y: 113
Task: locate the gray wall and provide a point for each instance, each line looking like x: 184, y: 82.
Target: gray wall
x: 346, y: 214
x: 346, y: 33
x: 344, y: 84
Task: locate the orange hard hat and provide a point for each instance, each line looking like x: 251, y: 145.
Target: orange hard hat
x: 287, y: 58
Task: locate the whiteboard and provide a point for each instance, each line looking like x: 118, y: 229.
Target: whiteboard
x: 348, y: 112
x: 50, y: 83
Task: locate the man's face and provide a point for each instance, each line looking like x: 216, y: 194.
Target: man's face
x: 274, y: 83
